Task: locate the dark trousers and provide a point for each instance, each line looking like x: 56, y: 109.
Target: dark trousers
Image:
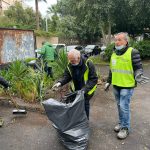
x: 87, y: 104
x: 49, y: 71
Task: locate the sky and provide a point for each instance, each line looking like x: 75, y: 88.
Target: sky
x: 42, y: 5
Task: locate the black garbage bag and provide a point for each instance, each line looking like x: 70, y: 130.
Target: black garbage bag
x: 70, y: 120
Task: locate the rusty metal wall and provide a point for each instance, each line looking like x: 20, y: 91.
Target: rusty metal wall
x: 16, y: 44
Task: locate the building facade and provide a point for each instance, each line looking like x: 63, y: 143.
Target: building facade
x: 4, y: 4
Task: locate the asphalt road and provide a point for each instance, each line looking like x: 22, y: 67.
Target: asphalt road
x: 35, y: 132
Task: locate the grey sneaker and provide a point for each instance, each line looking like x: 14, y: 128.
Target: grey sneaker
x: 1, y: 122
x: 117, y: 128
x: 123, y: 133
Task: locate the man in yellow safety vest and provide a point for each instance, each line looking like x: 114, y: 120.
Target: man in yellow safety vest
x: 125, y: 71
x: 82, y: 73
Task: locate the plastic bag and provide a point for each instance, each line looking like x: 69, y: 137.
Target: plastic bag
x: 70, y: 120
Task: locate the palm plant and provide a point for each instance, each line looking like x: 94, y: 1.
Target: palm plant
x: 30, y: 84
x: 18, y: 70
x: 22, y: 81
x: 62, y: 60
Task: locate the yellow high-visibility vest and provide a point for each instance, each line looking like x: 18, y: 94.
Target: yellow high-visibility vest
x: 86, y: 74
x: 122, y: 70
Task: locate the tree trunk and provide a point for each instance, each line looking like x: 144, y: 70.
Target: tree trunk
x: 106, y: 35
x: 103, y: 35
x: 37, y: 15
x: 109, y: 33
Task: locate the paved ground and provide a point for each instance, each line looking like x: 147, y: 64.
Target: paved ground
x: 34, y: 131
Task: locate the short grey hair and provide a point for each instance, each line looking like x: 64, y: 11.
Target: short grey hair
x: 126, y: 36
x: 75, y: 53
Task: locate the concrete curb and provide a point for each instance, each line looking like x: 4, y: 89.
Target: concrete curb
x: 32, y: 107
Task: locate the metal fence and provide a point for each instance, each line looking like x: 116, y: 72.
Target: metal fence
x: 16, y: 44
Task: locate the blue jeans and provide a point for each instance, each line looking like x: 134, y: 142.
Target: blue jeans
x: 123, y: 97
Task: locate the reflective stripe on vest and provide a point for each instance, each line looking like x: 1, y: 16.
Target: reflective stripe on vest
x: 122, y: 70
x: 85, y: 79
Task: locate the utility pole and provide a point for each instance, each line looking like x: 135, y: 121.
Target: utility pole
x: 46, y: 22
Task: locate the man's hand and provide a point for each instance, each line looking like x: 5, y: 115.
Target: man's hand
x: 141, y: 79
x: 55, y: 86
x: 106, y: 88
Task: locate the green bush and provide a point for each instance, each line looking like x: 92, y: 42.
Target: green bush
x: 144, y: 48
x: 109, y: 51
x: 97, y: 60
x: 62, y: 60
x: 27, y: 83
x: 5, y: 22
x: 43, y: 33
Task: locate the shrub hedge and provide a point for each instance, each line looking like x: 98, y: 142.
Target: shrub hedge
x: 143, y: 47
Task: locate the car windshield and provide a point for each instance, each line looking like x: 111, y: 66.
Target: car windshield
x: 90, y: 46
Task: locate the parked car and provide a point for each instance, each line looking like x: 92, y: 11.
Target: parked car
x: 58, y: 47
x: 77, y: 47
x: 103, y: 54
x: 92, y: 50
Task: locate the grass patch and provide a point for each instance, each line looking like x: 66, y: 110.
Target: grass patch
x: 97, y: 60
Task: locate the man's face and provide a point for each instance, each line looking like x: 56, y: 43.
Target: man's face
x: 120, y: 40
x: 74, y: 61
